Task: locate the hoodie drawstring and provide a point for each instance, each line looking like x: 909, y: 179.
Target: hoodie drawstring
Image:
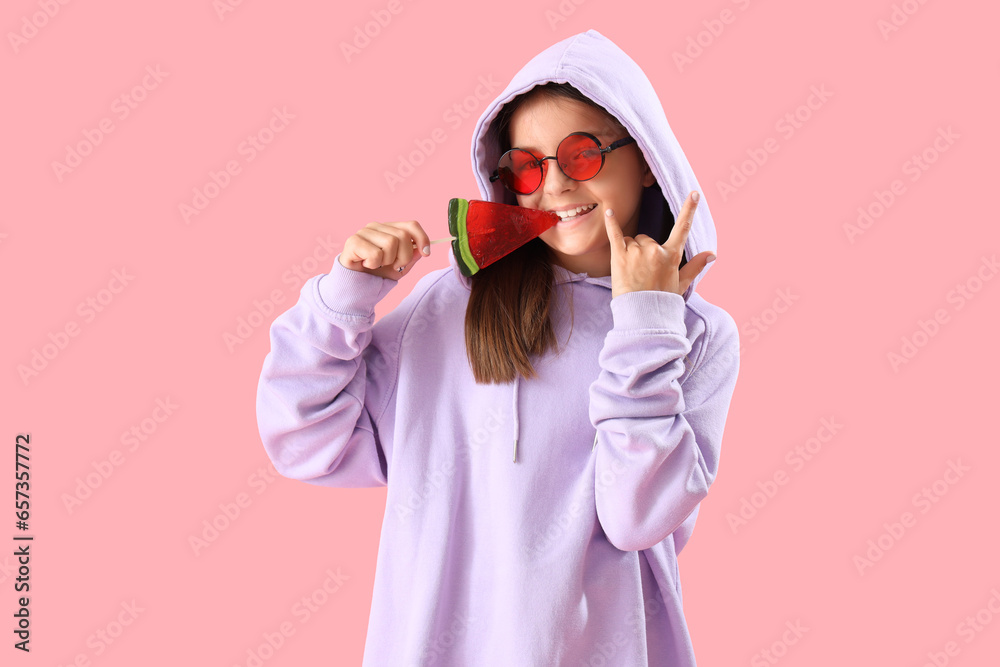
x: 516, y: 426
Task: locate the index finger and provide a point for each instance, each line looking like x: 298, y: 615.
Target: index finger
x: 615, y: 235
x: 678, y: 235
x: 419, y: 236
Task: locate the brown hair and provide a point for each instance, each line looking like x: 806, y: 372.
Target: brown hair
x: 508, y: 318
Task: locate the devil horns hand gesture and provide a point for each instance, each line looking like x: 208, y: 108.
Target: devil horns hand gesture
x: 641, y: 263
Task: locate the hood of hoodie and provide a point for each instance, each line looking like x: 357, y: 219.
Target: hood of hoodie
x: 599, y: 69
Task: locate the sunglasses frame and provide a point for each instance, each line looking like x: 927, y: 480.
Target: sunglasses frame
x: 539, y: 161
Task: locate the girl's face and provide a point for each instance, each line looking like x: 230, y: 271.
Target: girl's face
x: 580, y: 244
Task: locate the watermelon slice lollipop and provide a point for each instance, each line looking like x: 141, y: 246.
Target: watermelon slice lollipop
x: 487, y: 231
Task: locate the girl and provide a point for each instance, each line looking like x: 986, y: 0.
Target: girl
x: 546, y: 428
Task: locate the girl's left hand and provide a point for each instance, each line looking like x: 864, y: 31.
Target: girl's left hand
x: 643, y: 264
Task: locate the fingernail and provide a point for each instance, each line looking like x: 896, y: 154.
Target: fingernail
x: 695, y: 196
x: 427, y: 250
x: 609, y: 212
x: 711, y: 258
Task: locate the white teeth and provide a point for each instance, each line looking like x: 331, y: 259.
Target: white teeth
x: 573, y: 212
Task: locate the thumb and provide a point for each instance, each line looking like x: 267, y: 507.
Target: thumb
x: 614, y: 230
x: 695, y: 266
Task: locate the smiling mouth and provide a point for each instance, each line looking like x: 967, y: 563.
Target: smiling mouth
x: 573, y: 213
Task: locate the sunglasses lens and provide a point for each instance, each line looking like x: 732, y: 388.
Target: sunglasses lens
x: 520, y: 171
x: 580, y: 157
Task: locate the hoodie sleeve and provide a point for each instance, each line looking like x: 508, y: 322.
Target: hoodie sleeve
x: 327, y: 379
x: 658, y: 446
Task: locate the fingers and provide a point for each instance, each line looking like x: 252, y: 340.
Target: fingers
x: 420, y: 238
x: 389, y: 244
x: 413, y: 239
x: 694, y: 267
x: 615, y: 235
x: 641, y: 263
x: 374, y: 247
x: 678, y: 235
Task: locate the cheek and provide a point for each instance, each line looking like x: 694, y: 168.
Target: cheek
x: 527, y: 201
x: 628, y: 188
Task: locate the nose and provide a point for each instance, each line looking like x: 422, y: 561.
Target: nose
x: 554, y: 181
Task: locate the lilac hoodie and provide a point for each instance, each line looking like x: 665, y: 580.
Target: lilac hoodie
x: 568, y: 554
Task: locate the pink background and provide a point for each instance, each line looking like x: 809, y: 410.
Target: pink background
x: 162, y: 335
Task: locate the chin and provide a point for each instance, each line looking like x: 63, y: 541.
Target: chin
x: 576, y: 247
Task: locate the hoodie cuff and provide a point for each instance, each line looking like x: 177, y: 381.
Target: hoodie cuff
x: 659, y: 310
x: 352, y: 293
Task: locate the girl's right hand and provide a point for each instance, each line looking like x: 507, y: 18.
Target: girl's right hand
x: 380, y: 248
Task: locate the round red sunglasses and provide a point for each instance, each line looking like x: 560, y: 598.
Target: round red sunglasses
x: 579, y: 156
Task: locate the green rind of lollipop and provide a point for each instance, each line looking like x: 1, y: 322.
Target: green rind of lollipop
x: 457, y: 211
